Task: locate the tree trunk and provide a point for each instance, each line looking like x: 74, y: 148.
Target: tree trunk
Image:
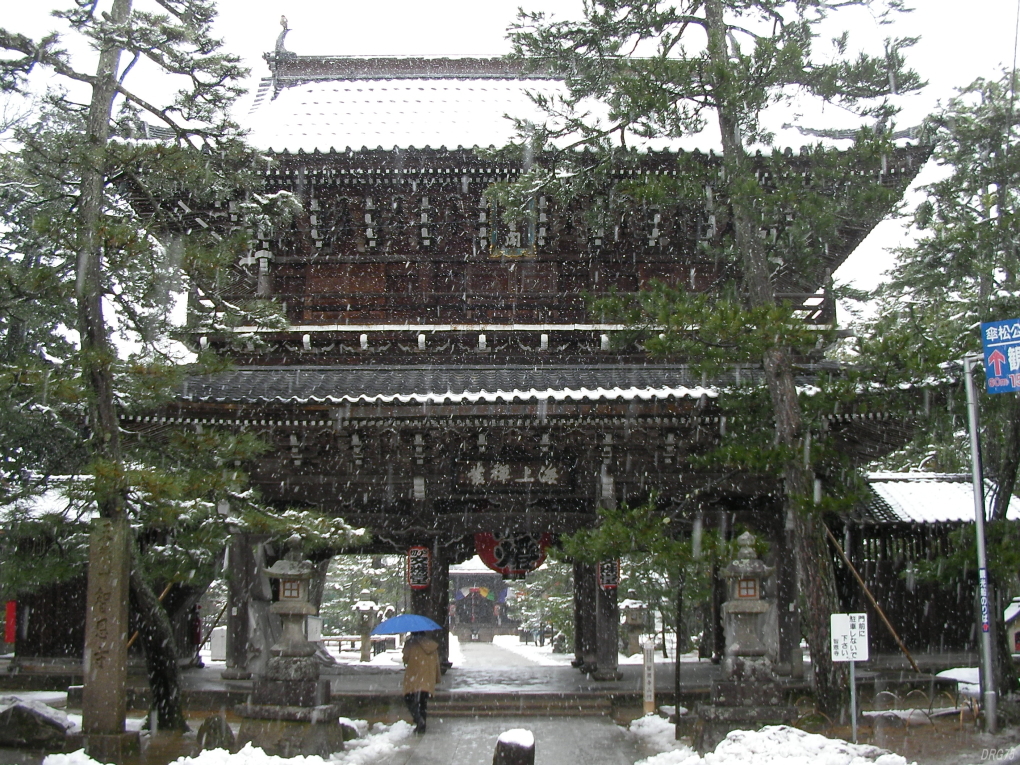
x: 97, y: 354
x: 157, y: 638
x: 97, y: 365
x: 810, y: 546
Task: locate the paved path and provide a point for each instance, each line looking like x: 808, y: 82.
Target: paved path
x: 462, y: 741
x: 491, y: 656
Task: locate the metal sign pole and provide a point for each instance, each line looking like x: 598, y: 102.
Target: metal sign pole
x: 987, y: 674
x: 853, y: 701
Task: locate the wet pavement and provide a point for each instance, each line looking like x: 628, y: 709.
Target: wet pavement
x: 477, y: 655
x: 593, y: 741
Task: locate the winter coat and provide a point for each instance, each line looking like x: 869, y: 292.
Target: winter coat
x: 421, y: 655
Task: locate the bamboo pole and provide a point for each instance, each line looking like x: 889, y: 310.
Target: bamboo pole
x: 871, y: 599
x: 162, y: 595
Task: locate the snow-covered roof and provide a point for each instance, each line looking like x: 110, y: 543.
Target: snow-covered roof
x: 442, y: 385
x: 471, y: 566
x: 53, y: 501
x: 929, y: 498
x: 394, y: 113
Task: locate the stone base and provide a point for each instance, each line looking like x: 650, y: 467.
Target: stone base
x: 112, y: 747
x: 608, y: 674
x: 292, y: 681
x: 291, y: 693
x: 716, y: 722
x: 235, y: 673
x: 288, y: 738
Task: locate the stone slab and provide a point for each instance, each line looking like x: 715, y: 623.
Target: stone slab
x: 286, y: 738
x: 731, y: 694
x: 315, y: 714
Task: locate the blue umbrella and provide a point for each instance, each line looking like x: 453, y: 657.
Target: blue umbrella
x: 405, y: 623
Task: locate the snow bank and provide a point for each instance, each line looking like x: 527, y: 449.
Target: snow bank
x: 656, y: 734
x: 778, y: 745
x: 381, y: 743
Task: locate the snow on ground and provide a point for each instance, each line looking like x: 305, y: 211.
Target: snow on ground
x: 539, y: 654
x: 544, y: 654
x: 380, y: 743
x: 773, y: 745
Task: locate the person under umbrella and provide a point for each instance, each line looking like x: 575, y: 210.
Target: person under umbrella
x: 421, y: 658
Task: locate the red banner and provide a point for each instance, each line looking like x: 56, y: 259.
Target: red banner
x: 512, y: 555
x: 11, y: 622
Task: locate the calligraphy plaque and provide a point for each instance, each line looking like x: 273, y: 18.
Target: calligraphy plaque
x: 512, y: 475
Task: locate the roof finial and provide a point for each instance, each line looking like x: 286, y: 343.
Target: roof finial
x: 283, y: 34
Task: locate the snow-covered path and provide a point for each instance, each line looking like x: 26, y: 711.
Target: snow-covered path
x: 489, y: 655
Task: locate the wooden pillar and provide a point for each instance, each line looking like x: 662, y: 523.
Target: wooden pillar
x: 433, y: 602
x: 242, y: 570
x: 104, y: 701
x: 607, y: 634
x: 584, y: 616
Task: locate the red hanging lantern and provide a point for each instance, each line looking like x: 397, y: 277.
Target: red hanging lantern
x: 512, y: 555
x: 419, y: 567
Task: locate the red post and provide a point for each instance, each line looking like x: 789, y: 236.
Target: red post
x: 11, y: 621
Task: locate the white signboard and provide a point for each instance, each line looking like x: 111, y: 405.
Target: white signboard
x: 313, y: 628
x: 849, y: 637
x: 218, y: 645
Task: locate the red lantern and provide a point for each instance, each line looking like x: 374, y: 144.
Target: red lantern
x: 512, y: 555
x: 419, y: 567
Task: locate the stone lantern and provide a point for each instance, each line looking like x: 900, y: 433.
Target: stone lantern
x: 634, y: 615
x: 289, y: 711
x: 366, y: 608
x: 748, y: 696
x: 294, y: 576
x: 745, y: 615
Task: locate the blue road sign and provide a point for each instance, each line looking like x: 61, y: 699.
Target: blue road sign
x: 1001, y: 342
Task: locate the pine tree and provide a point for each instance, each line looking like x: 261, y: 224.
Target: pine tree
x: 100, y: 234
x: 668, y: 71
x: 961, y: 271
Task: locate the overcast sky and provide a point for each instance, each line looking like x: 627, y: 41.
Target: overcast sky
x: 959, y: 42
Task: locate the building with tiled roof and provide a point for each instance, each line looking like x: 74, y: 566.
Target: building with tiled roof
x: 440, y: 380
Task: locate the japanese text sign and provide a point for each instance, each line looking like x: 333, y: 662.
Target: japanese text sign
x: 609, y: 574
x: 1001, y: 343
x: 419, y: 568
x: 849, y: 636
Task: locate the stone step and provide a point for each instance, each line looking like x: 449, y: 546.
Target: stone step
x: 482, y: 712
x: 522, y: 705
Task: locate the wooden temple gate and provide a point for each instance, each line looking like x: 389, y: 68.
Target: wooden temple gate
x: 440, y: 377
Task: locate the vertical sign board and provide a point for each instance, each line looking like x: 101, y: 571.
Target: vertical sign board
x: 104, y: 699
x: 419, y: 567
x: 849, y: 636
x: 1000, y: 341
x: 648, y: 676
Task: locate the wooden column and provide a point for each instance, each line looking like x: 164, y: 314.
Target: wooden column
x: 434, y: 601
x: 607, y: 634
x: 584, y: 616
x: 104, y: 701
x: 242, y: 570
